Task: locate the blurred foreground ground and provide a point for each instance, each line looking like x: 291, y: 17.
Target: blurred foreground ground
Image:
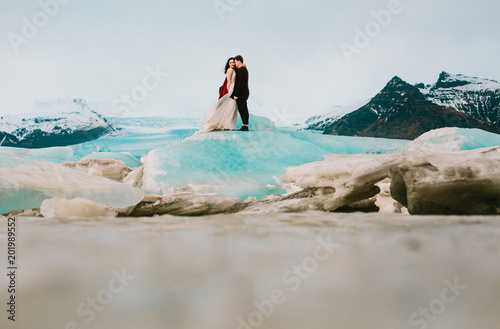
x: 280, y: 271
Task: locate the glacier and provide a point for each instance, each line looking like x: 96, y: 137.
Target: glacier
x: 139, y: 135
x: 320, y: 122
x: 57, y: 123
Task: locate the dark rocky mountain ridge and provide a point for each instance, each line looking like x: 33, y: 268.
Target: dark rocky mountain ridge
x: 405, y: 111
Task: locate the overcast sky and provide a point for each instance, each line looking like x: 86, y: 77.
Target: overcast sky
x: 101, y: 50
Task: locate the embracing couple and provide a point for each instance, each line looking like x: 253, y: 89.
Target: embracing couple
x: 233, y: 96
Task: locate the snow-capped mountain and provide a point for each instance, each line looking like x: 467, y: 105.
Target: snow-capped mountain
x: 477, y: 97
x: 320, y: 122
x: 57, y: 123
x: 404, y: 111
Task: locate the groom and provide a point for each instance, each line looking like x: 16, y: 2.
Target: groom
x: 241, y: 92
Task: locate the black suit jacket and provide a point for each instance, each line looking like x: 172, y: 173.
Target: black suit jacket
x: 241, y: 84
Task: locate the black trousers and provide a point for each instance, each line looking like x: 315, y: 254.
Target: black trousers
x: 243, y: 109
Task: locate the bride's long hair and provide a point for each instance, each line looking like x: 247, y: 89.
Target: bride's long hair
x: 227, y: 65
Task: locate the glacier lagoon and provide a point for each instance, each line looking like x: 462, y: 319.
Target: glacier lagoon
x: 239, y: 165
x: 139, y: 135
x: 226, y: 163
x: 229, y: 163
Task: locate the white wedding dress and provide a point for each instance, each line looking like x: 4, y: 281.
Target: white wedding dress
x: 222, y: 116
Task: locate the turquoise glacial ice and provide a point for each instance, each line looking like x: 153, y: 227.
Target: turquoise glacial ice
x: 241, y: 164
x: 25, y: 183
x: 52, y: 154
x: 452, y: 140
x: 231, y: 163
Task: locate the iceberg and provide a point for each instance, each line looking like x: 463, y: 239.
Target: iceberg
x: 12, y: 160
x: 127, y: 158
x: 441, y: 173
x: 112, y: 169
x: 311, y: 171
x: 256, y: 122
x: 269, y: 170
x: 25, y: 184
x: 77, y: 207
x: 184, y: 204
x: 242, y: 164
x: 345, y: 178
x: 453, y: 140
x: 460, y: 183
x: 51, y: 154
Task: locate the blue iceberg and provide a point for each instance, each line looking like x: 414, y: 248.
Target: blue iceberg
x: 242, y: 164
x: 26, y: 183
x: 453, y: 140
x: 52, y: 154
x: 129, y: 160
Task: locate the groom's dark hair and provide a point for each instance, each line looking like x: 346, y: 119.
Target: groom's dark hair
x: 238, y: 58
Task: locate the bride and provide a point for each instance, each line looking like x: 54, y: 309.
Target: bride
x: 224, y: 115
